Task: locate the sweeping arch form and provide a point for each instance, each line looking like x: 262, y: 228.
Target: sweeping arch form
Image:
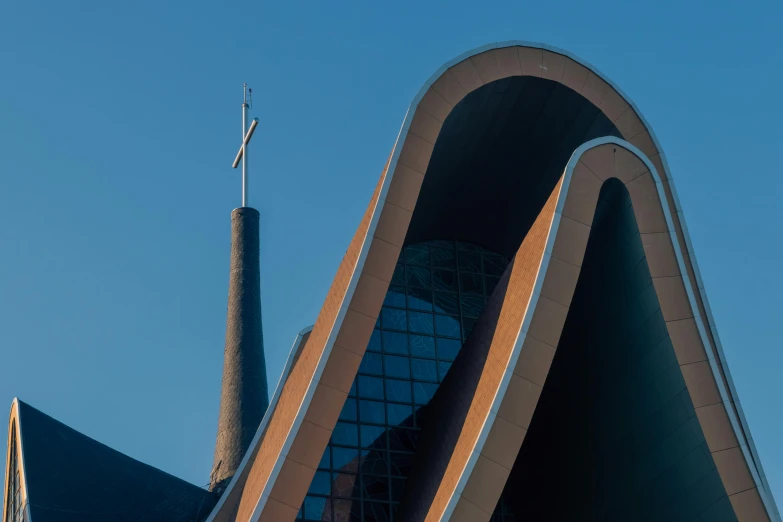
x: 282, y: 460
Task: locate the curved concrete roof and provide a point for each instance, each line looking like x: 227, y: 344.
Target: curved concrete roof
x: 310, y: 400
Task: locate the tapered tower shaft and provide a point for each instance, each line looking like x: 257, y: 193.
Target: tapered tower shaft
x: 244, y: 396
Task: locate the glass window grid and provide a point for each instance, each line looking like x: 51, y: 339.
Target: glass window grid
x: 406, y: 294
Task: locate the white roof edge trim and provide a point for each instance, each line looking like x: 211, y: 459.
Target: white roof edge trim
x: 264, y: 421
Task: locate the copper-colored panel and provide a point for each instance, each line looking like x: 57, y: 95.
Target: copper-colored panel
x: 503, y: 442
x: 553, y: 65
x: 368, y: 296
x: 530, y: 60
x: 660, y: 254
x: 449, y: 89
x: 657, y: 162
x: 467, y: 511
x: 701, y: 383
x: 582, y: 195
x: 672, y: 297
x: 644, y: 143
x: 647, y: 205
x: 508, y: 61
x: 534, y: 361
x: 571, y: 241
x: 733, y: 470
x: 613, y: 105
x: 466, y: 75
x: 425, y: 126
x: 594, y: 89
x: 416, y: 153
x: 292, y: 483
x: 341, y: 368
x: 275, y: 511
x: 748, y: 506
x: 629, y: 124
x: 486, y: 65
x: 355, y: 332
x: 627, y: 165
x: 574, y: 75
x: 548, y: 320
x: 686, y: 340
x: 325, y: 407
x: 381, y: 259
x: 485, y: 483
x: 560, y: 281
x: 601, y: 161
x: 393, y: 224
x: 519, y: 402
x: 716, y: 427
x: 306, y: 449
x: 435, y: 104
x: 404, y: 188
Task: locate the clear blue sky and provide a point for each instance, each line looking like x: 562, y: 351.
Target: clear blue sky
x: 119, y: 122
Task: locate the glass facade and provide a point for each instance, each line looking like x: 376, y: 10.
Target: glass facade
x: 438, y: 290
x: 14, y: 509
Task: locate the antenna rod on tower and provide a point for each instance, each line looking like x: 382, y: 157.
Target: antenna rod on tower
x: 245, y: 106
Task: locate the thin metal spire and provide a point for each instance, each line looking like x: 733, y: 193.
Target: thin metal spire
x: 247, y: 133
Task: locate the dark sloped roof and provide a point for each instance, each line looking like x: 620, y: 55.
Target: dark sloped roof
x: 71, y: 477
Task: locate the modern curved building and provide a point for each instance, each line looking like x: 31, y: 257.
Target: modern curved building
x: 518, y: 332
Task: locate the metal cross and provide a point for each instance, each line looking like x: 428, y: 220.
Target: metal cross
x: 246, y: 135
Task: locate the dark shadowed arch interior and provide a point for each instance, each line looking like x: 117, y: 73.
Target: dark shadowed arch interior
x: 615, y: 436
x: 498, y: 157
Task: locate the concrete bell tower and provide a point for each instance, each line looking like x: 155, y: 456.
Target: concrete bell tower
x: 244, y: 395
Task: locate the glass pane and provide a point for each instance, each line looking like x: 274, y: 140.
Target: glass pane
x: 372, y: 363
x: 393, y: 318
x: 423, y: 392
x: 424, y: 370
x: 372, y: 412
x: 322, y: 483
x: 442, y: 258
x: 398, y: 391
x: 345, y: 459
x: 447, y: 326
x: 346, y: 434
x: 349, y: 410
x: 444, y: 280
x: 469, y: 261
x: 420, y: 322
x: 373, y: 437
x: 418, y: 276
x: 448, y: 348
x: 315, y: 508
x: 420, y: 299
x: 443, y: 369
x: 375, y: 341
x: 345, y: 485
x: 446, y: 303
x: 399, y: 413
x: 397, y: 366
x: 423, y: 346
x: 376, y: 488
x: 471, y: 284
x: 402, y: 439
x: 395, y: 297
x: 370, y: 387
x: 399, y: 275
x: 417, y: 255
x: 377, y: 512
x: 347, y: 510
x: 472, y: 306
x: 395, y: 342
